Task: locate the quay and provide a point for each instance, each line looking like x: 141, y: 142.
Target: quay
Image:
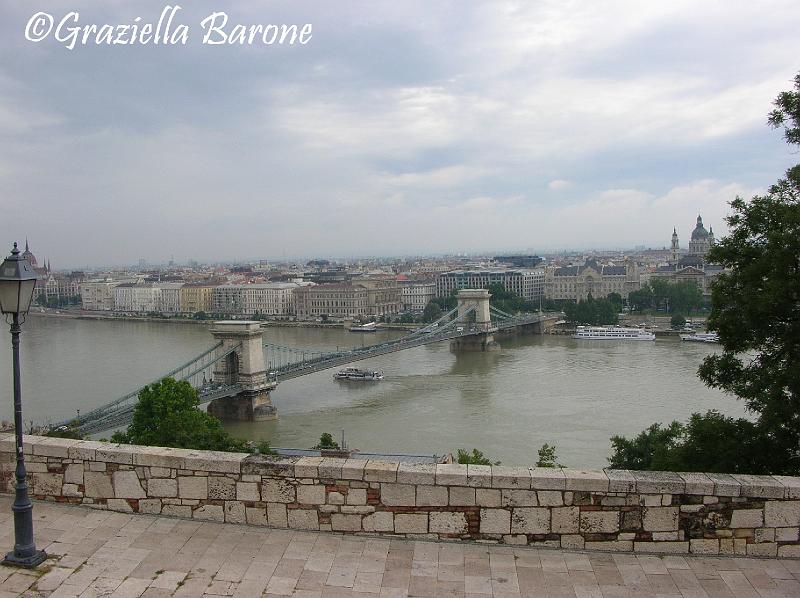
x: 122, y: 555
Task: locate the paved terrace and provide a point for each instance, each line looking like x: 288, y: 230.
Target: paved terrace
x: 103, y: 553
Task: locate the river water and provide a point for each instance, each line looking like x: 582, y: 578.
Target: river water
x: 536, y: 389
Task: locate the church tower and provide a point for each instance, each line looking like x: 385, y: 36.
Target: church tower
x: 675, y: 246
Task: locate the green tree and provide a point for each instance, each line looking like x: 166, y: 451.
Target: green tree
x: 167, y: 415
x: 547, y: 456
x: 786, y: 115
x: 432, y: 312
x: 677, y: 321
x: 476, y: 457
x: 326, y: 442
x: 641, y: 299
x: 651, y: 449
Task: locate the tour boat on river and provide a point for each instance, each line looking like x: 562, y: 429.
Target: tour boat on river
x: 701, y: 337
x: 613, y: 333
x: 357, y: 374
x: 368, y: 327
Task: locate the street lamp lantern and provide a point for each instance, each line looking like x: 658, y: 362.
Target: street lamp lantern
x: 17, y: 282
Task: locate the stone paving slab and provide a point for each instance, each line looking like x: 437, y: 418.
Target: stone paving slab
x: 100, y: 553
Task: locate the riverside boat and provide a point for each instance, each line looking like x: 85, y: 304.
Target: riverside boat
x: 701, y: 337
x: 613, y: 333
x: 369, y: 327
x: 358, y: 375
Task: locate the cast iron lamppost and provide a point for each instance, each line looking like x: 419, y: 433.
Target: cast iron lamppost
x: 17, y: 281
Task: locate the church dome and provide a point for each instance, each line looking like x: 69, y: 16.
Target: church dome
x: 27, y: 255
x: 699, y: 233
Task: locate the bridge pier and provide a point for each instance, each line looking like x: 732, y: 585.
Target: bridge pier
x: 246, y: 368
x: 483, y: 339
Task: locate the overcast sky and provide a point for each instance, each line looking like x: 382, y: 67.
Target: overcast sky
x: 407, y: 127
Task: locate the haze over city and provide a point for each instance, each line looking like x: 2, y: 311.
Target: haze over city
x: 399, y: 129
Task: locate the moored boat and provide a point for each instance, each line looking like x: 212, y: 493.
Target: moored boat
x: 358, y: 375
x: 701, y: 337
x: 613, y: 333
x: 368, y: 327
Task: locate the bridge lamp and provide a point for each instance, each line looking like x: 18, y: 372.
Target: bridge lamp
x: 17, y: 282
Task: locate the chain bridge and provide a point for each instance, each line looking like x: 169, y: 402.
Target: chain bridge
x: 235, y: 376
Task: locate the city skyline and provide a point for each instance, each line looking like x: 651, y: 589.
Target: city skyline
x: 397, y: 130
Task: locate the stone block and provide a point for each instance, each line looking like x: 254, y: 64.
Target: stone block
x: 247, y: 491
x: 585, y: 480
x: 610, y: 546
x: 673, y: 536
x: 789, y: 551
x: 256, y: 515
x: 356, y: 496
x: 786, y: 534
x: 47, y: 483
x: 164, y: 457
x: 215, y: 461
x: 488, y: 497
x: 766, y: 549
x: 221, y: 488
x: 276, y: 515
x: 511, y: 477
x: 119, y: 504
x: 358, y: 509
x: 431, y: 496
x: 447, y: 523
x: 97, y: 484
x: 759, y: 486
x: 268, y: 466
x: 550, y: 498
x: 620, y: 480
x: 411, y: 523
x: 116, y: 453
x: 313, y: 494
x: 791, y: 485
x: 764, y: 534
x: 659, y: 482
x: 341, y: 522
x: 207, y: 513
x: 178, y: 511
x: 303, y: 519
x: 353, y: 469
x: 193, y: 487
x: 73, y: 473
x: 599, y: 522
x: 459, y: 497
x: 660, y: 519
x: 650, y: 500
x: 335, y: 498
x: 71, y: 490
x: 747, y: 518
x: 85, y: 450
x: 451, y: 474
x: 662, y: 547
x: 381, y: 521
x: 697, y: 483
x: 782, y: 513
x: 308, y: 467
x: 126, y: 485
x: 519, y: 498
x: 96, y: 466
x: 495, y: 521
x: 724, y: 484
x: 152, y: 506
x: 53, y: 447
x: 380, y: 471
x: 547, y: 478
x: 565, y: 520
x: 416, y: 473
x: 161, y: 487
x: 530, y: 521
x: 331, y: 468
x: 479, y: 476
x: 399, y: 495
x: 703, y: 546
x: 277, y: 490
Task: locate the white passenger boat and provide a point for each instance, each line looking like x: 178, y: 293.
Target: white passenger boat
x: 369, y: 327
x: 701, y: 337
x: 613, y: 333
x: 357, y: 374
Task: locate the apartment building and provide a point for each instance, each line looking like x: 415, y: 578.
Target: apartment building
x: 528, y: 284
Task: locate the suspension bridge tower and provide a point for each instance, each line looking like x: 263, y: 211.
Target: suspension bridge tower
x: 477, y: 301
x: 244, y: 367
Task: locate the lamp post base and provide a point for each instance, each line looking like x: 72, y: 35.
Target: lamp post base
x: 29, y: 562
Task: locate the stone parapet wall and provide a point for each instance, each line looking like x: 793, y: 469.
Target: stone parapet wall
x: 659, y: 512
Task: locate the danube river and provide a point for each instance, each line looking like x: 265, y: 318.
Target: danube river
x: 537, y: 389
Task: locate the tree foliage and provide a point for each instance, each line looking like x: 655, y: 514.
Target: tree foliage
x: 756, y: 312
x: 547, y: 456
x: 594, y: 312
x: 167, y: 415
x: 674, y: 297
x: 476, y: 457
x: 432, y: 312
x: 326, y: 442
